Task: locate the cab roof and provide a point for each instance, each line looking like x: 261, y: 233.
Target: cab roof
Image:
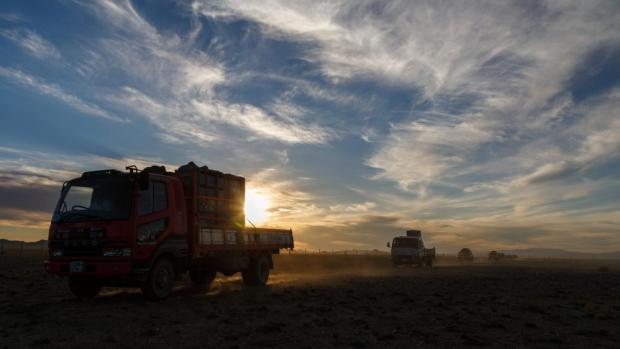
x: 101, y: 173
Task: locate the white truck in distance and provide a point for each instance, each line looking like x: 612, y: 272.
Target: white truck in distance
x: 410, y: 249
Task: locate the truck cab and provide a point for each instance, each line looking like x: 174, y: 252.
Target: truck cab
x: 409, y: 249
x: 110, y: 226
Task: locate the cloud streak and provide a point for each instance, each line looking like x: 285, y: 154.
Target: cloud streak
x: 31, y: 42
x: 174, y: 85
x: 492, y: 67
x: 19, y: 77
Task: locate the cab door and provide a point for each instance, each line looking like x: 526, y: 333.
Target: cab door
x: 153, y: 219
x: 414, y: 245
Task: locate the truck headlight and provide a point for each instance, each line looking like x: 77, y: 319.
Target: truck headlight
x: 62, y: 234
x: 57, y: 253
x: 149, y: 232
x: 117, y: 252
x: 96, y: 233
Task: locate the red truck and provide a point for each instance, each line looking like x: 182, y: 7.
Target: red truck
x: 147, y: 228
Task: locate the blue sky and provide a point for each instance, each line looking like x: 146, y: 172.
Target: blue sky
x: 485, y: 124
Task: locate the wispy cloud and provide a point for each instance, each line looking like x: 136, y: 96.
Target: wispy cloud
x: 24, y: 219
x: 282, y: 125
x: 492, y: 66
x: 177, y: 121
x: 31, y: 42
x: 174, y: 85
x: 11, y: 17
x: 361, y: 207
x: 495, y: 134
x: 22, y: 168
x: 421, y: 151
x: 53, y: 90
x: 592, y: 142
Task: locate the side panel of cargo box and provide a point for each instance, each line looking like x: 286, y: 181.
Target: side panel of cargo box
x: 189, y: 188
x: 215, y: 204
x: 216, y: 220
x: 248, y: 239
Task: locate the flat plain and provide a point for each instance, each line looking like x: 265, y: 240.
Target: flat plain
x: 317, y: 301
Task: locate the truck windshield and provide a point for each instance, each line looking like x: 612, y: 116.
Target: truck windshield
x: 409, y: 243
x: 94, y: 198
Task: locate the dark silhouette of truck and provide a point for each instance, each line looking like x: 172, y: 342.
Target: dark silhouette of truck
x: 465, y: 255
x: 147, y: 228
x: 410, y: 249
x: 495, y: 256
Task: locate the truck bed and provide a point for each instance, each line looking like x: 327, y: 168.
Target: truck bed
x: 216, y: 221
x: 215, y: 239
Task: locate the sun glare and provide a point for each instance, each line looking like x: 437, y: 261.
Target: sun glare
x: 256, y: 207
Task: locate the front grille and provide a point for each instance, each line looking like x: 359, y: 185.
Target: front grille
x: 80, y: 233
x: 82, y: 248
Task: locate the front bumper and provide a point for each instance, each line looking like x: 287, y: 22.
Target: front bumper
x: 403, y: 258
x: 98, y: 268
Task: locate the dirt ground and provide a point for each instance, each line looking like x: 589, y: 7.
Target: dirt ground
x: 329, y: 301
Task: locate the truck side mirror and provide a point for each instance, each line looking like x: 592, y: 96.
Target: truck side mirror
x: 143, y: 181
x: 388, y: 244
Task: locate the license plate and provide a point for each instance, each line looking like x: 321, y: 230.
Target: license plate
x: 76, y: 267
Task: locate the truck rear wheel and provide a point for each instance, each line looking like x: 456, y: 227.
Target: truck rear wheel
x: 84, y: 288
x: 202, y: 277
x: 428, y: 262
x: 161, y: 280
x: 257, y: 272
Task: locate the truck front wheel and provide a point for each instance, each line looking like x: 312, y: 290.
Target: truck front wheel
x: 161, y: 280
x: 257, y: 272
x: 84, y: 288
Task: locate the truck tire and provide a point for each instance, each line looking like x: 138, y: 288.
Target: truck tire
x: 84, y: 288
x: 257, y: 272
x: 160, y: 281
x: 202, y: 277
x: 428, y: 262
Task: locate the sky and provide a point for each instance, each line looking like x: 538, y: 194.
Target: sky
x: 486, y: 124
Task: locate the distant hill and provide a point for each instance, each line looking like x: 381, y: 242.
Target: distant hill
x: 12, y: 244
x: 558, y: 253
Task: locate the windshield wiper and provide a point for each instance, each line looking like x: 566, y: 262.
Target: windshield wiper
x: 78, y: 213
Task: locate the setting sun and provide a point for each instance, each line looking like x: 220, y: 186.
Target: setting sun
x: 256, y: 207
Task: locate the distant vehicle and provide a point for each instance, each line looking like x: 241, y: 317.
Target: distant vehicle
x: 147, y: 228
x: 498, y: 256
x: 410, y: 249
x: 465, y: 255
x: 495, y: 256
